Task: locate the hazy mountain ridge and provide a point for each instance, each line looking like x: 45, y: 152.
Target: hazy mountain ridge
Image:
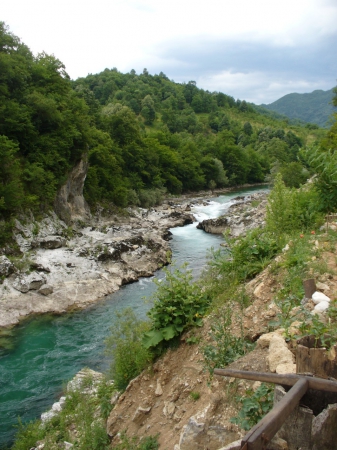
x: 315, y: 107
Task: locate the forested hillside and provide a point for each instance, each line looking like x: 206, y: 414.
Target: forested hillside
x: 315, y: 107
x: 143, y: 135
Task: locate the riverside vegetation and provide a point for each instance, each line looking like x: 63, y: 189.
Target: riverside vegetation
x: 145, y: 136
x: 133, y: 347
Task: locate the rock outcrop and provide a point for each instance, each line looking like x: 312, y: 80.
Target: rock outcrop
x: 65, y: 268
x: 70, y: 204
x: 245, y: 214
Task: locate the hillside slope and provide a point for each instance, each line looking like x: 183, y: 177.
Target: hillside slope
x: 315, y: 107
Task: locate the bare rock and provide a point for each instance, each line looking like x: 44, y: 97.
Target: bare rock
x: 168, y: 409
x: 140, y: 414
x: 52, y: 242
x: 191, y: 433
x: 6, y: 267
x: 278, y: 353
x: 70, y: 204
x: 159, y: 390
x: 33, y: 281
x: 46, y: 289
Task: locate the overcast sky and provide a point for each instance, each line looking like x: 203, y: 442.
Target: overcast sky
x: 254, y: 50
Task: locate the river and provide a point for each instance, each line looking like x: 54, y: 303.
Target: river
x: 48, y: 351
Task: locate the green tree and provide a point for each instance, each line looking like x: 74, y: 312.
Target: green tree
x: 11, y: 189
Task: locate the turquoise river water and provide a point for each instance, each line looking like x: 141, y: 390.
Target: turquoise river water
x: 47, y: 351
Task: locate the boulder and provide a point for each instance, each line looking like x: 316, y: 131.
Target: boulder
x: 140, y: 414
x: 46, y: 289
x: 278, y: 353
x: 6, y: 267
x: 52, y: 242
x: 25, y: 283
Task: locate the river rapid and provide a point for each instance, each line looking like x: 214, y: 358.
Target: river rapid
x: 47, y: 351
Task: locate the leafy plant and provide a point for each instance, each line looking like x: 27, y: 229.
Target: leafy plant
x: 125, y: 347
x: 245, y: 256
x: 255, y: 405
x: 179, y: 303
x: 226, y: 347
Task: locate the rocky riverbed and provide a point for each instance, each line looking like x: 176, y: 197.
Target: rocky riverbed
x: 62, y: 268
x: 247, y: 213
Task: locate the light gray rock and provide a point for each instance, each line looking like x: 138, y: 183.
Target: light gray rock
x: 168, y: 409
x: 190, y: 434
x: 140, y: 414
x: 296, y: 430
x: 25, y: 283
x: 46, y: 289
x: 52, y: 242
x: 6, y: 267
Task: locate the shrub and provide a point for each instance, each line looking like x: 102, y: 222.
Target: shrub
x: 179, y: 303
x: 124, y: 346
x: 290, y: 209
x: 225, y: 347
x: 245, y: 256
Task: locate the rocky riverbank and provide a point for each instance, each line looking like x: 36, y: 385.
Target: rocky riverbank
x: 247, y: 213
x: 62, y: 268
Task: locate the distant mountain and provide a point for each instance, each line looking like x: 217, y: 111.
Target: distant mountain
x: 315, y: 107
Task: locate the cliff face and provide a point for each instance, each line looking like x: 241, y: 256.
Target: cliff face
x: 70, y: 204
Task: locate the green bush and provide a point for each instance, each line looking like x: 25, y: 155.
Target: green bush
x: 179, y: 303
x: 245, y: 256
x: 289, y: 210
x: 27, y: 435
x: 124, y: 346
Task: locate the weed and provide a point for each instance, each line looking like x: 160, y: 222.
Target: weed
x: 255, y: 405
x: 225, y: 348
x: 195, y: 395
x: 124, y: 346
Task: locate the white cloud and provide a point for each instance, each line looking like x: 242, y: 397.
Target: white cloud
x: 89, y: 36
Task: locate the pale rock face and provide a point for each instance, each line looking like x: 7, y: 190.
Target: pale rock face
x: 33, y: 281
x: 278, y: 353
x: 6, y: 267
x: 46, y: 289
x: 70, y: 204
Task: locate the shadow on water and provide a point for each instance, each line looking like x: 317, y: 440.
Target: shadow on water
x: 45, y: 352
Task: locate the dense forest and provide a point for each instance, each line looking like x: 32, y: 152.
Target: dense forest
x: 142, y: 134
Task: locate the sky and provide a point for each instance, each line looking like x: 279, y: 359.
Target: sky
x: 254, y: 50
